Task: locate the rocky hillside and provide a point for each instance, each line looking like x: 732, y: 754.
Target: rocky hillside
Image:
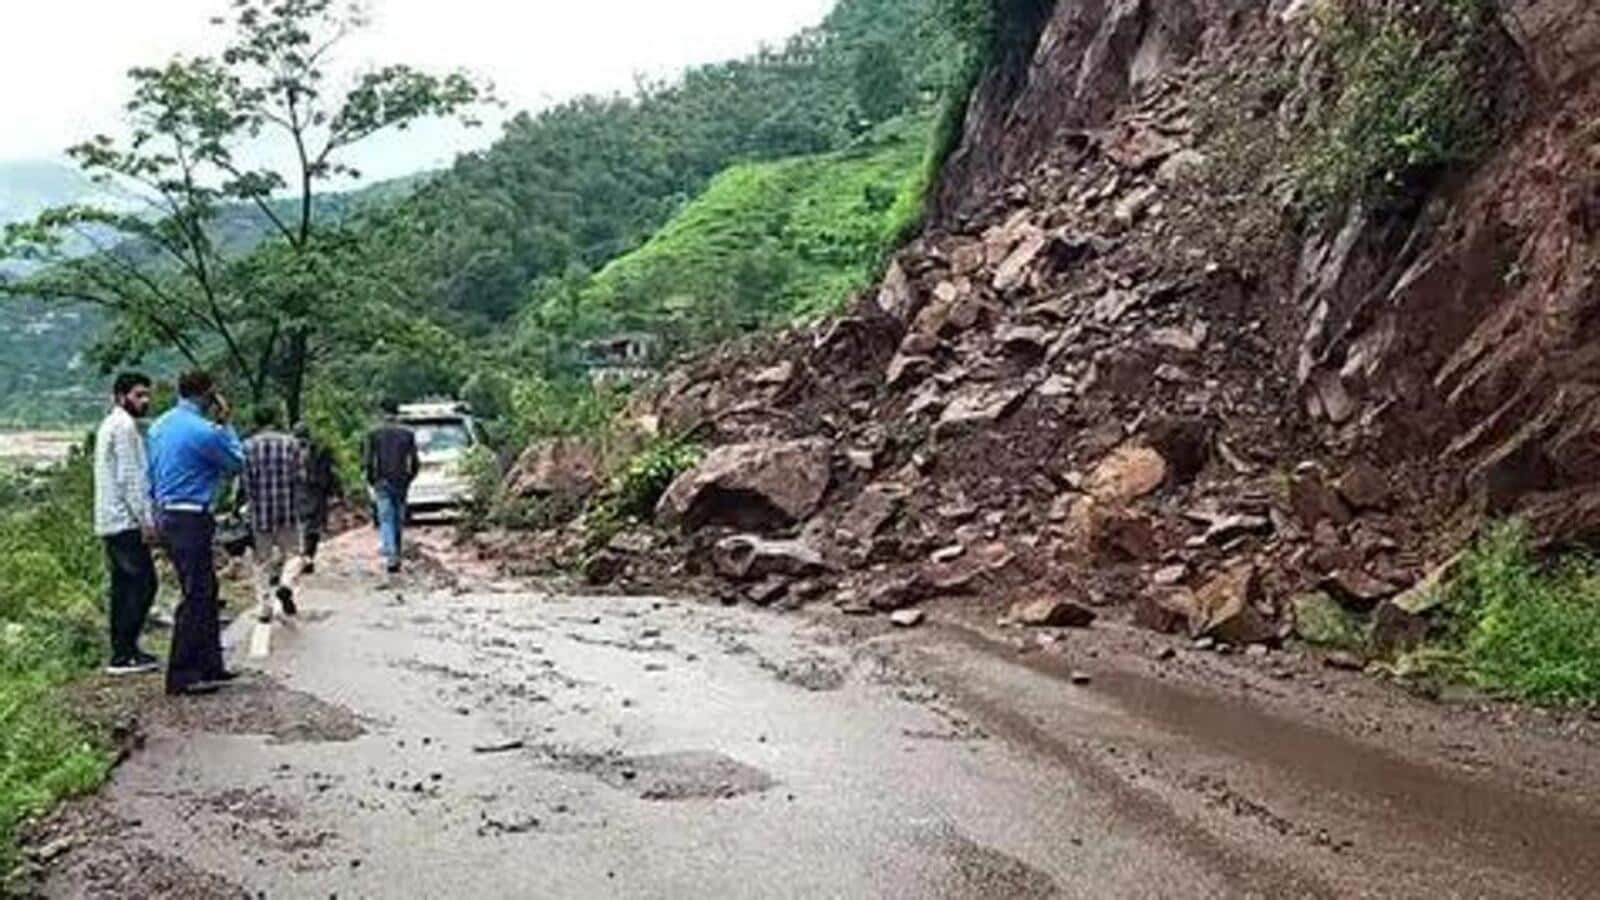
x: 1124, y: 373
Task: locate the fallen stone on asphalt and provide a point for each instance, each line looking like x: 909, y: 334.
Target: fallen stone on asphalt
x: 1322, y: 621
x: 558, y: 467
x: 874, y: 509
x: 977, y: 406
x: 1394, y: 630
x: 907, y: 618
x: 1343, y: 659
x: 1427, y: 594
x: 1364, y: 487
x: 1053, y: 613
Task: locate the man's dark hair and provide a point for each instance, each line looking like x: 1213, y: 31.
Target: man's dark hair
x: 127, y: 381
x: 390, y: 406
x: 195, y: 384
x: 266, y: 416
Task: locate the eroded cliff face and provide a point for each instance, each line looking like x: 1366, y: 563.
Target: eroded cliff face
x: 1461, y: 333
x: 1118, y: 372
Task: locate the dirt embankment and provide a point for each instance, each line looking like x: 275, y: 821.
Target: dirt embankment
x: 1112, y: 375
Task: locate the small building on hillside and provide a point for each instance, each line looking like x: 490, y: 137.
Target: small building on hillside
x: 621, y: 359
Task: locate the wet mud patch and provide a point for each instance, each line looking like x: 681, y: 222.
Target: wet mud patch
x: 254, y: 805
x: 253, y: 705
x: 666, y: 777
x: 449, y: 673
x: 260, y: 706
x: 966, y: 870
x: 256, y: 818
x: 812, y: 673
x: 1219, y: 794
x: 85, y: 850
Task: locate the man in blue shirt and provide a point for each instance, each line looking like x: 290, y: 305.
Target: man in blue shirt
x: 192, y: 449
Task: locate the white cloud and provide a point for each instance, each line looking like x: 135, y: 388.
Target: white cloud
x: 62, y: 73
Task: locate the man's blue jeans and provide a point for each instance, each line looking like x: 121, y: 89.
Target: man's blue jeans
x: 391, y: 499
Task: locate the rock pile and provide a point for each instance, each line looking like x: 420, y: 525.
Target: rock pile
x: 1070, y: 396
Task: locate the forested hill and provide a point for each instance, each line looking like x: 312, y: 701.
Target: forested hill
x: 509, y: 259
x: 565, y: 191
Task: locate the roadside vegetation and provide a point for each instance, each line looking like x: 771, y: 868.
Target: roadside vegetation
x: 1524, y: 628
x: 637, y: 486
x: 1402, y: 99
x: 51, y: 624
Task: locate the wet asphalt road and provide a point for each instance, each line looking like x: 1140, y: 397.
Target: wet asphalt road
x: 501, y: 742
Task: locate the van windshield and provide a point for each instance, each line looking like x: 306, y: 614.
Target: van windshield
x: 435, y: 438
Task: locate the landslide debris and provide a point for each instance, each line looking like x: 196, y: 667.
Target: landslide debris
x: 1119, y: 376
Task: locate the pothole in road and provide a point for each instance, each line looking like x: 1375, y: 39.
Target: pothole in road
x: 687, y: 775
x: 964, y: 869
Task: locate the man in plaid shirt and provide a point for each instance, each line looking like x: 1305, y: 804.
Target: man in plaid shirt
x: 274, y: 476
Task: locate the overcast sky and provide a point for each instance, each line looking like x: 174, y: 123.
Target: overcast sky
x: 64, y: 63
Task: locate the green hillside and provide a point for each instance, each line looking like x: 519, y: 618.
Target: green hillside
x: 767, y: 242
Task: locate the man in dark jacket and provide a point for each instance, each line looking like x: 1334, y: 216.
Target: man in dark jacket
x: 391, y: 463
x: 321, y: 486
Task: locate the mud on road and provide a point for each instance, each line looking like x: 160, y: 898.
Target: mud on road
x: 472, y: 738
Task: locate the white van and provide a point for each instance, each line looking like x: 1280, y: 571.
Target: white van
x: 446, y: 433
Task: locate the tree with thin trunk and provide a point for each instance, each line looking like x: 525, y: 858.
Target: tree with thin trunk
x: 200, y: 125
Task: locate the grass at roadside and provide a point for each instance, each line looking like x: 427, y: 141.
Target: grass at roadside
x: 1525, y: 629
x: 51, y: 579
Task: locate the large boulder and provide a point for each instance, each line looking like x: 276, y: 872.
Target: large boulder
x: 759, y: 487
x: 560, y: 467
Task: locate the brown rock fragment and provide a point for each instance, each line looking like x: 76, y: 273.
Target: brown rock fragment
x: 1225, y: 608
x: 1364, y: 487
x: 1053, y: 613
x: 1130, y: 472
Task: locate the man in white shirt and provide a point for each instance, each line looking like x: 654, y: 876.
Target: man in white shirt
x: 124, y: 518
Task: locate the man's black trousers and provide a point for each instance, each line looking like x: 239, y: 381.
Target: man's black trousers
x: 133, y: 590
x: 196, y: 629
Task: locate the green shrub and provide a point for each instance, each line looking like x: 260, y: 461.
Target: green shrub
x: 1526, y: 630
x: 1402, y: 101
x: 543, y: 407
x: 638, y: 487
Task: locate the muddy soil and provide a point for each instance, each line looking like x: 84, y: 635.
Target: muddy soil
x: 471, y: 737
